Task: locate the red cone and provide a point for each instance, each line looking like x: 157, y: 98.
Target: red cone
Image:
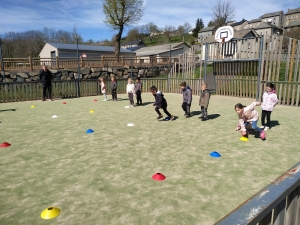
x: 95, y: 100
x: 158, y: 177
x: 64, y: 103
x: 4, y: 145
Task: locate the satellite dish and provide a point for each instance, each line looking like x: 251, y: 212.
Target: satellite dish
x: 224, y: 34
x: 270, y: 20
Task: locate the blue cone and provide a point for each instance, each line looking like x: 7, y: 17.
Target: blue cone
x: 167, y: 118
x: 215, y: 154
x: 89, y: 131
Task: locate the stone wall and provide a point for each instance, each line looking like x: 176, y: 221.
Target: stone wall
x: 89, y: 73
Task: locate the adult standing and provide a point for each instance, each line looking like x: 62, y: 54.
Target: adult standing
x: 45, y: 76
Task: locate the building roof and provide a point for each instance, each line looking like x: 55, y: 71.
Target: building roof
x: 207, y: 29
x: 292, y: 11
x: 293, y: 23
x: 158, y: 49
x: 238, y: 23
x: 254, y: 21
x: 96, y: 48
x: 265, y: 25
x: 267, y: 15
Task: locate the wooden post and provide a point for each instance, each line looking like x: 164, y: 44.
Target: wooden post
x: 122, y: 60
x: 30, y: 63
x: 57, y: 63
x: 81, y: 61
x: 292, y: 60
x: 102, y: 59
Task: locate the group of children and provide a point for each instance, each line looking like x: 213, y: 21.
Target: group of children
x: 246, y: 114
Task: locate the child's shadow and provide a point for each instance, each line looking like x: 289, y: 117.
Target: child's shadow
x: 146, y: 103
x: 274, y: 123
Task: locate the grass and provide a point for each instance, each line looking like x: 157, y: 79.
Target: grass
x: 105, y: 177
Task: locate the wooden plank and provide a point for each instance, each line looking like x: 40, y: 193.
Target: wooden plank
x: 292, y: 60
x: 284, y: 100
x: 271, y: 58
x: 279, y: 58
x: 291, y: 207
x: 279, y: 213
x: 266, y: 220
x: 287, y: 63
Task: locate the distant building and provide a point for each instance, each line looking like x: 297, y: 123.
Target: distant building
x: 253, y: 23
x: 292, y: 19
x: 206, y: 32
x: 265, y: 29
x: 52, y: 50
x: 239, y: 25
x: 133, y: 45
x: 274, y: 18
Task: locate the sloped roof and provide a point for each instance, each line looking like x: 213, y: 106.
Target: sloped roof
x: 158, y: 49
x: 254, y: 21
x: 96, y: 48
x: 132, y: 42
x: 238, y: 23
x: 265, y: 25
x: 292, y: 11
x: 207, y: 29
x: 293, y: 23
x: 271, y: 14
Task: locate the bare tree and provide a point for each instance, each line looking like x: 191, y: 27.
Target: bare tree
x: 187, y: 27
x: 222, y: 11
x: 180, y: 30
x: 151, y: 28
x: 121, y: 13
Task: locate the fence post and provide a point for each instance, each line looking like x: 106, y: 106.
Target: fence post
x: 102, y: 59
x: 261, y: 46
x: 122, y: 60
x: 81, y: 61
x: 57, y: 62
x: 30, y: 63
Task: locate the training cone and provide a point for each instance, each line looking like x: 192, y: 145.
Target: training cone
x: 95, y: 100
x: 130, y: 124
x: 167, y: 118
x: 64, y: 103
x: 4, y: 145
x: 33, y: 106
x: 92, y: 111
x: 244, y: 139
x: 127, y: 107
x: 158, y: 177
x: 215, y: 154
x: 50, y: 213
x: 89, y: 131
x: 54, y: 116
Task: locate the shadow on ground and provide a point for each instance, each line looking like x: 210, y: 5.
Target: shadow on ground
x: 4, y: 110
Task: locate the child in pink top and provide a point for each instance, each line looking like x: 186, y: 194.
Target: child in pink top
x: 269, y: 101
x: 247, y: 115
x: 102, y: 84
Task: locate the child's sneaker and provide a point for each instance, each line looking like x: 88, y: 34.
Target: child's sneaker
x: 104, y: 100
x: 131, y: 105
x: 172, y: 118
x: 262, y: 135
x: 262, y: 127
x: 160, y: 116
x: 266, y: 128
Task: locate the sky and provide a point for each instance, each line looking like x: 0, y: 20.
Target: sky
x: 87, y: 15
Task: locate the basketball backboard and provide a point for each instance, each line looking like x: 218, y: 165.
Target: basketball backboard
x: 224, y: 34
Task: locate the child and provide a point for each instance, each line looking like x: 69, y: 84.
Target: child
x: 130, y: 91
x: 204, y: 101
x: 187, y: 99
x: 270, y: 100
x: 102, y: 84
x: 138, y: 91
x: 160, y: 102
x: 246, y: 115
x: 114, y: 88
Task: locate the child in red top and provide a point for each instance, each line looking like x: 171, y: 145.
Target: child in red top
x: 247, y: 115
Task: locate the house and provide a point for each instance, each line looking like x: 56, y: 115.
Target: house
x: 133, y: 45
x: 161, y: 52
x: 292, y: 19
x: 53, y: 50
x: 274, y: 18
x: 253, y: 23
x: 230, y: 22
x: 239, y: 25
x: 206, y: 32
x: 267, y: 29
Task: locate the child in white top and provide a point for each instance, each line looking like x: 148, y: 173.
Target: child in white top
x: 102, y: 84
x: 247, y: 115
x: 130, y: 90
x: 269, y: 101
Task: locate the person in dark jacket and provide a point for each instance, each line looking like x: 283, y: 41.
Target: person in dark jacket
x: 204, y: 101
x: 160, y: 103
x: 114, y: 86
x: 138, y: 91
x: 187, y: 99
x: 45, y: 76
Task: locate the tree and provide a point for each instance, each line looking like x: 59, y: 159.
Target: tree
x: 121, y: 13
x: 133, y: 35
x: 187, y: 27
x: 151, y: 28
x: 198, y: 27
x: 180, y: 30
x: 222, y: 12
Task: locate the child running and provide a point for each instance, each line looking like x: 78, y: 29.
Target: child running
x: 138, y: 91
x: 247, y: 115
x: 160, y: 103
x: 114, y: 88
x: 130, y: 91
x: 187, y: 99
x: 102, y: 84
x: 270, y: 100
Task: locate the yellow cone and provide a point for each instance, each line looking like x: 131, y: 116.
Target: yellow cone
x: 33, y: 106
x: 244, y: 139
x: 92, y: 111
x: 50, y: 213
